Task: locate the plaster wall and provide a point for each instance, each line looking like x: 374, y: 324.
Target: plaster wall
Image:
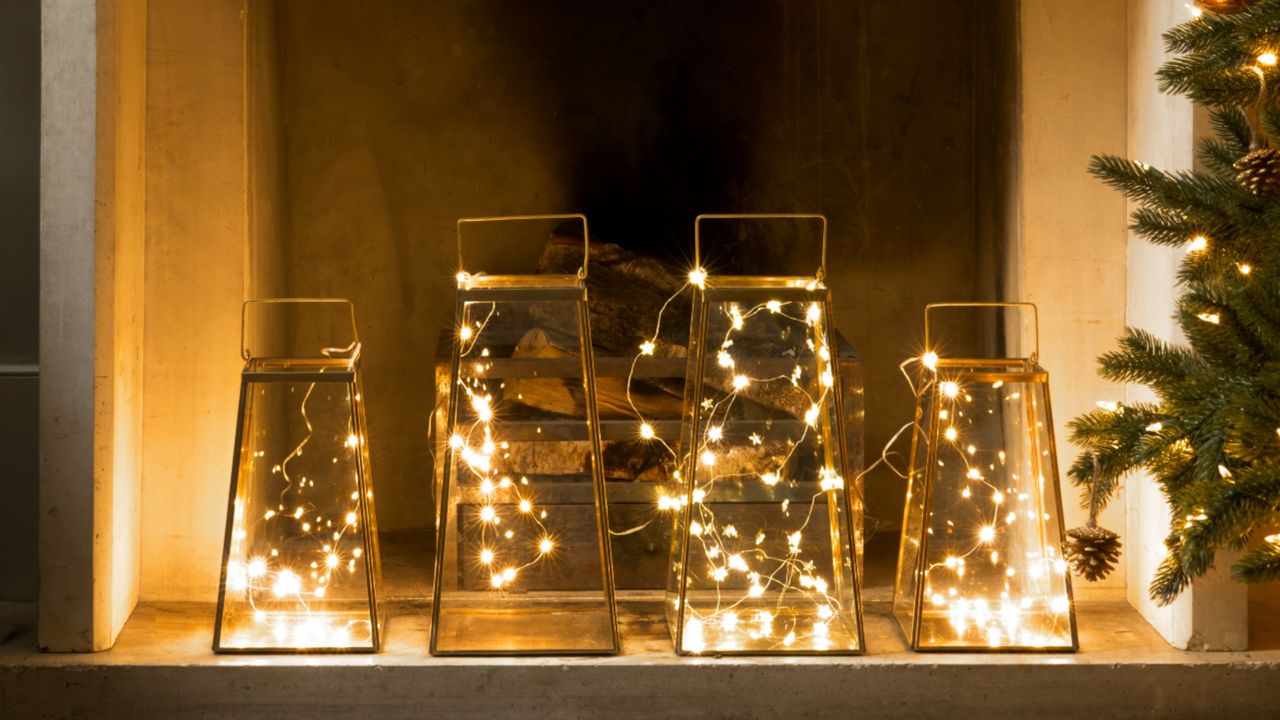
x: 1070, y: 255
x: 197, y: 276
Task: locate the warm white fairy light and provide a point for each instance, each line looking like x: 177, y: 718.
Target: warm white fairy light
x: 1211, y: 318
x: 296, y: 552
x: 1197, y: 244
x: 1030, y: 612
x: 738, y: 562
x: 1267, y: 58
x: 511, y: 527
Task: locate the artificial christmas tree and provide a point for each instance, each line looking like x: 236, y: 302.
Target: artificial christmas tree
x: 1212, y: 438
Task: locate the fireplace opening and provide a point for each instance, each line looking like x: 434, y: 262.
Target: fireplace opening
x: 372, y: 128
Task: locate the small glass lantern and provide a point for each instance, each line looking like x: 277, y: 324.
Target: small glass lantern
x: 300, y: 563
x: 981, y: 564
x: 522, y: 552
x: 762, y: 554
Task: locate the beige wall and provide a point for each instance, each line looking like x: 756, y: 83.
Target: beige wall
x: 196, y: 280
x: 1070, y: 256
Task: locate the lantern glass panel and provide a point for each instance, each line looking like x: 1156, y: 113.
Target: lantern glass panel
x: 522, y: 561
x: 762, y: 556
x: 981, y: 563
x: 300, y: 568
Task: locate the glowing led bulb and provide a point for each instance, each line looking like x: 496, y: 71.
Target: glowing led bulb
x: 1198, y: 243
x: 488, y: 514
x: 715, y: 432
x: 770, y: 478
x: 287, y: 583
x: 951, y: 434
x: 646, y: 347
x: 257, y: 568
x: 930, y: 360
x: 545, y: 545
x: 814, y: 313
x: 950, y: 389
x: 1245, y: 268
x: 987, y: 533
x: 456, y: 442
x: 464, y: 332
x: 708, y: 458
x: 774, y: 306
x: 1108, y: 405
x: 740, y: 382
x: 332, y: 560
x: 698, y: 277
x: 1209, y: 317
x: 352, y: 440
x: 646, y: 431
x: 525, y: 505
x: 351, y: 518
x: 1268, y: 59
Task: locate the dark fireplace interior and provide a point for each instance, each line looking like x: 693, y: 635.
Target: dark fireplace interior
x: 386, y: 122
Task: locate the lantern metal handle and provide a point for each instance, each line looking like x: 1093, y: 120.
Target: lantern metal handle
x: 1035, y: 319
x: 353, y: 348
x: 697, y: 232
x: 586, y: 236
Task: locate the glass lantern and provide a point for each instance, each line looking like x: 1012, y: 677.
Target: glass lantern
x: 300, y: 562
x: 522, y: 559
x: 981, y: 564
x: 762, y: 555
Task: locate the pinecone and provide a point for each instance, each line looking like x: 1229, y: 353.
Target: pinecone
x: 1092, y: 552
x: 1260, y: 171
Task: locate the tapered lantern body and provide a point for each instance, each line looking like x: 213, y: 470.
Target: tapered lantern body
x: 522, y: 561
x: 762, y: 556
x: 300, y: 568
x: 981, y: 562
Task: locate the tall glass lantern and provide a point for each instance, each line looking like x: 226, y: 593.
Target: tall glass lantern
x: 981, y: 564
x: 762, y: 555
x: 300, y: 563
x: 522, y: 553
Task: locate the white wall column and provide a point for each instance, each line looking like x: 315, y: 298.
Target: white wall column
x: 1213, y: 613
x: 91, y: 280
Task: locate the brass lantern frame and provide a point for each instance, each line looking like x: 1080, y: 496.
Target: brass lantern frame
x: 342, y: 369
x: 490, y: 288
x: 762, y: 289
x: 1026, y: 370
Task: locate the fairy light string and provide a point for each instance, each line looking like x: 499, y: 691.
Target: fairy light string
x: 763, y: 599
x: 998, y: 579
x: 511, y: 525
x: 285, y: 587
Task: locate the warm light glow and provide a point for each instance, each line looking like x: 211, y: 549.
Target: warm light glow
x: 987, y: 533
x: 698, y: 277
x: 1209, y: 317
x: 950, y: 389
x: 1268, y: 59
x: 545, y: 545
x: 740, y: 382
x: 930, y: 360
x: 1245, y: 268
x: 646, y: 431
x: 647, y: 347
x: 1197, y: 244
x: 488, y: 514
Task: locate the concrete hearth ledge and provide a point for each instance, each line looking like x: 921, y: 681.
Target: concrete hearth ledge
x: 162, y: 668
